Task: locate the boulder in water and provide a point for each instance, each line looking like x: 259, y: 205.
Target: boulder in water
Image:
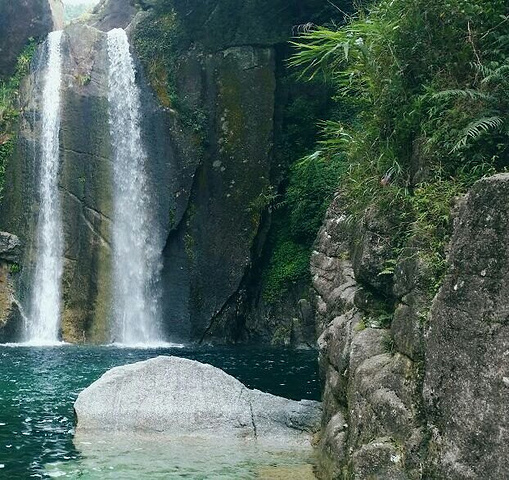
x: 181, y: 397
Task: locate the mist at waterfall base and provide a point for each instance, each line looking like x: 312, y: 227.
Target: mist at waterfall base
x: 38, y: 387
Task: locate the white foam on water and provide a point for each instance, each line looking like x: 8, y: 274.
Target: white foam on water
x: 147, y: 346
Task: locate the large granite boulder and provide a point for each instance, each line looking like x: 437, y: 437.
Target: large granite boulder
x: 467, y: 346
x: 180, y: 397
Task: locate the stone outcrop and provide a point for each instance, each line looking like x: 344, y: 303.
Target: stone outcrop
x: 174, y: 396
x: 371, y: 426
x: 410, y: 394
x: 21, y: 20
x: 10, y: 247
x: 10, y: 315
x: 466, y: 385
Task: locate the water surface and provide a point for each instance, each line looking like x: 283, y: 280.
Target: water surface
x: 38, y: 387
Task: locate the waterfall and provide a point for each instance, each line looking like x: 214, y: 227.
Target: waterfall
x: 46, y: 288
x: 136, y: 253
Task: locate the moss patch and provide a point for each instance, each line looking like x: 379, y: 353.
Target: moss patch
x: 9, y: 108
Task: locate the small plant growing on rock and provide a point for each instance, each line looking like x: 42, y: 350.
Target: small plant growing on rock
x: 14, y: 268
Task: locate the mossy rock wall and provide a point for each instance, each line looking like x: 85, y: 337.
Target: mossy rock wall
x: 210, y: 123
x: 222, y: 76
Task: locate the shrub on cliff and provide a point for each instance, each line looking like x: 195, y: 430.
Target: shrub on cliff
x: 9, y: 109
x: 428, y: 82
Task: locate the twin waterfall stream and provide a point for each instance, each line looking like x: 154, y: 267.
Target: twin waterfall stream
x: 136, y: 258
x: 135, y: 255
x: 98, y: 179
x: 46, y: 298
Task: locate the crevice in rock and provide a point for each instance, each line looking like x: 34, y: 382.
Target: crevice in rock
x: 253, y: 423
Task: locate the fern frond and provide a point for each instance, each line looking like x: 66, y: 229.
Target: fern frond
x: 462, y: 93
x: 500, y: 74
x: 476, y: 128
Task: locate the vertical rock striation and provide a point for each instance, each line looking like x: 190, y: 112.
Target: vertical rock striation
x: 466, y: 385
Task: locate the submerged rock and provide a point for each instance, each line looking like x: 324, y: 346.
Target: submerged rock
x: 180, y: 397
x: 132, y: 456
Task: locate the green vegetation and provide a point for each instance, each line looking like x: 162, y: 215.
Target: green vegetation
x: 298, y: 209
x: 289, y: 263
x: 9, y: 109
x: 297, y: 219
x: 426, y: 88
x: 156, y: 41
x: 160, y: 40
x: 14, y: 268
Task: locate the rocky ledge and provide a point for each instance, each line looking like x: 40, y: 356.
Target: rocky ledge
x: 10, y: 315
x: 179, y: 397
x: 421, y: 392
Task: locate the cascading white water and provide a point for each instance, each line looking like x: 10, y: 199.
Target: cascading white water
x: 44, y: 319
x: 136, y: 253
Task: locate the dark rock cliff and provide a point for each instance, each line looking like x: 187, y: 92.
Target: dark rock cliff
x: 228, y: 74
x: 21, y: 20
x: 211, y: 160
x: 414, y: 387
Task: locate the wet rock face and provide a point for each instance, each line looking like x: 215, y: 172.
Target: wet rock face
x: 11, y: 323
x: 220, y: 24
x: 19, y: 21
x: 467, y: 346
x: 86, y: 179
x: 213, y: 244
